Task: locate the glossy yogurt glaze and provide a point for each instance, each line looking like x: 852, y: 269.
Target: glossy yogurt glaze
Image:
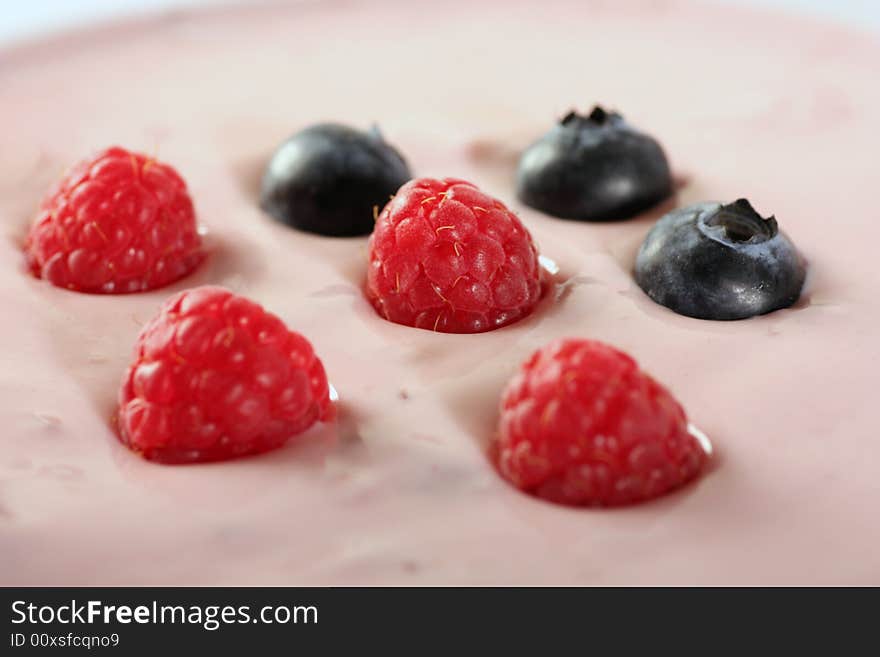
x: 399, y: 490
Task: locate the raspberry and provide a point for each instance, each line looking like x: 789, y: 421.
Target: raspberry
x: 445, y: 256
x: 216, y: 377
x: 581, y: 424
x: 120, y: 222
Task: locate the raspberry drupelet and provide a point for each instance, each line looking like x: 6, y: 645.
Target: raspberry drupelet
x: 446, y: 257
x: 119, y: 222
x: 582, y: 425
x: 215, y: 377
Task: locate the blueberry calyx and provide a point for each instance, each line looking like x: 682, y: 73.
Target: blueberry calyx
x: 570, y: 117
x: 739, y: 223
x: 598, y: 115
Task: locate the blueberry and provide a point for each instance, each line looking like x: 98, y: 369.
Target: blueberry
x: 593, y: 168
x: 327, y: 179
x: 714, y: 261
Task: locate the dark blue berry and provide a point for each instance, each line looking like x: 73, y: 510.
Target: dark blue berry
x: 593, y: 168
x: 328, y: 178
x: 714, y: 261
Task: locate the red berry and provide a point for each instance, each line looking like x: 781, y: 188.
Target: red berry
x: 216, y: 377
x: 581, y: 424
x: 120, y: 222
x: 446, y: 257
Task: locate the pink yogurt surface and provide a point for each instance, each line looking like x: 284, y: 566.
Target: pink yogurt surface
x: 399, y: 491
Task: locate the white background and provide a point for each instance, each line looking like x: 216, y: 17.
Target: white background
x: 20, y: 19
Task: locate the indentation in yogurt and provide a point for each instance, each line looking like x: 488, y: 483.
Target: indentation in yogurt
x: 48, y: 420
